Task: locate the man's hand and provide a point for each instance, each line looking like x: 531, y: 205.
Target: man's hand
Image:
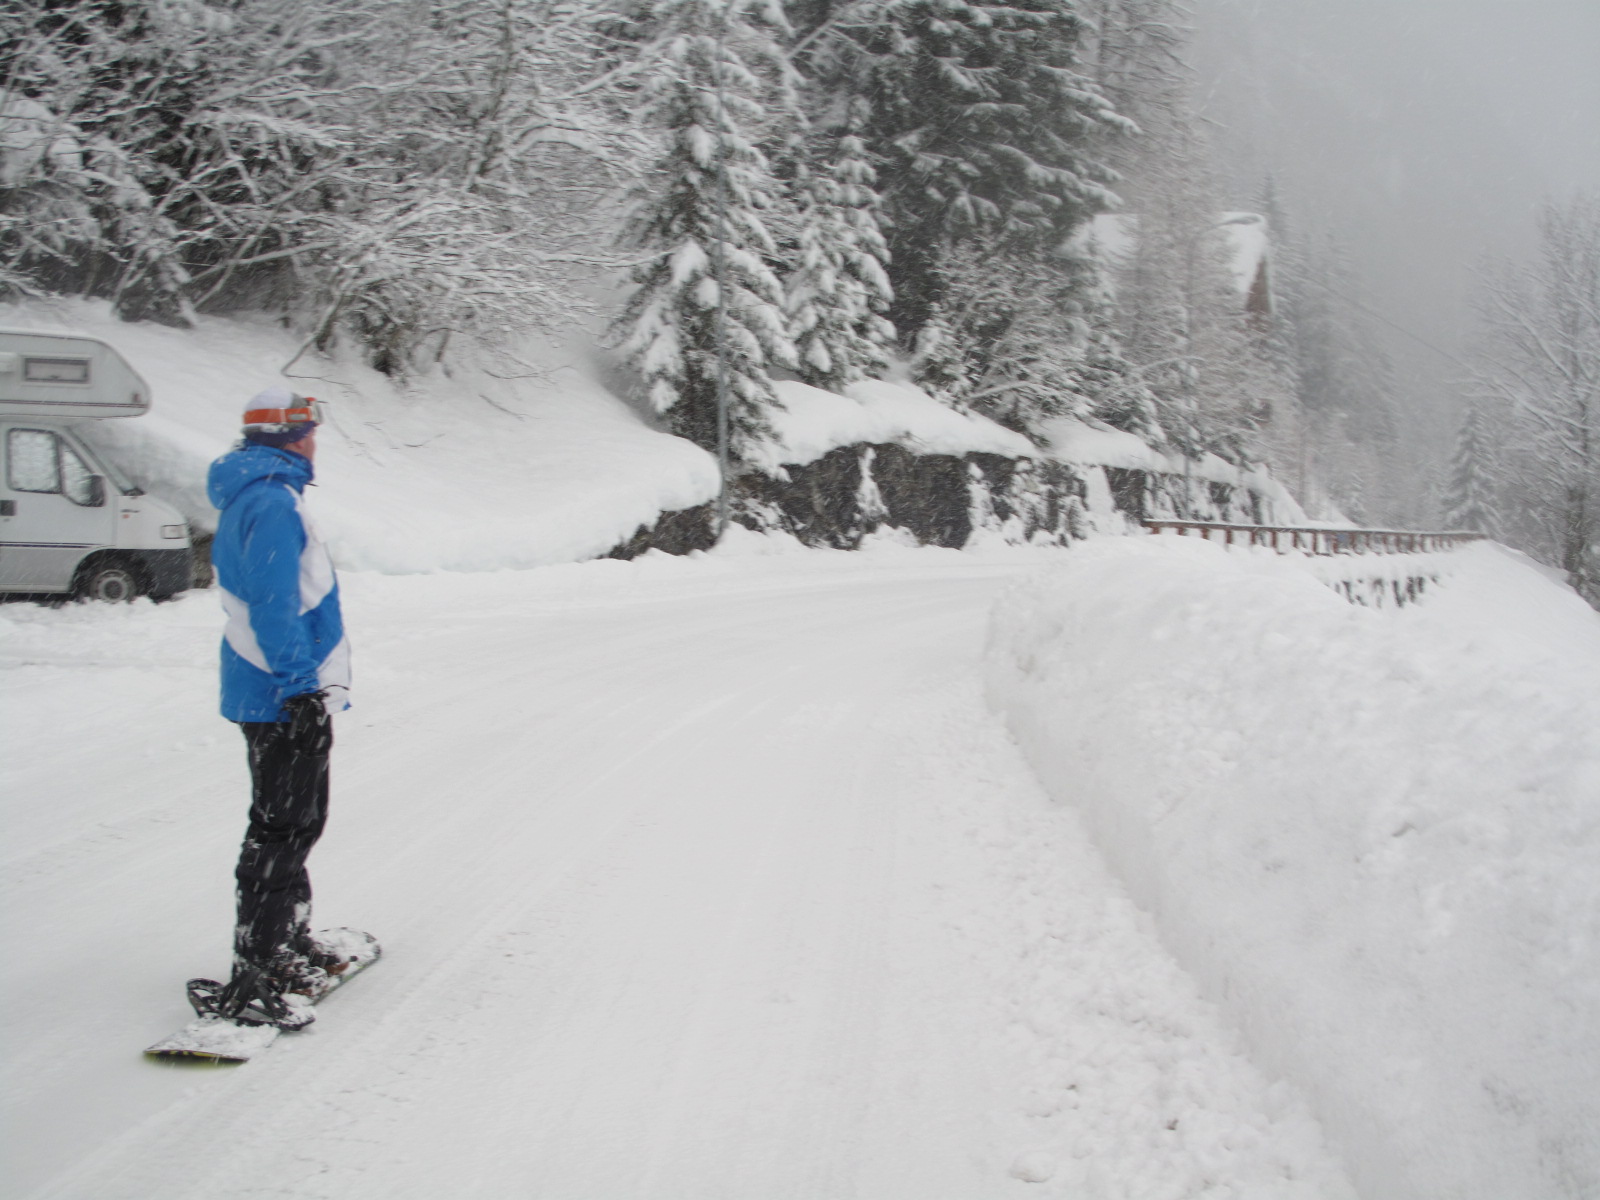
x: 310, y: 726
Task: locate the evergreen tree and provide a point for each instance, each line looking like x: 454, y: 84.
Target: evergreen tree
x: 983, y: 123
x: 706, y: 316
x: 1469, y: 497
x: 1133, y: 50
x: 1038, y: 342
x: 1216, y: 371
x: 938, y: 361
x: 839, y: 290
x: 1182, y: 317
x: 1098, y: 370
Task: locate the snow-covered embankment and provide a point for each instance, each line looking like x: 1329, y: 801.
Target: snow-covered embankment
x: 1374, y: 836
x: 500, y: 461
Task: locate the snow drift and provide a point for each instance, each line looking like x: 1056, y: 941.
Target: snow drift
x: 1374, y: 835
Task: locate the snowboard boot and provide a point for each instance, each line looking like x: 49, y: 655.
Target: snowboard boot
x: 333, y: 952
x: 321, y: 952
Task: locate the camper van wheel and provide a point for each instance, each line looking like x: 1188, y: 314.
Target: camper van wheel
x: 110, y: 581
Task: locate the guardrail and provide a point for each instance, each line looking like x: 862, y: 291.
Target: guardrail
x: 1287, y: 538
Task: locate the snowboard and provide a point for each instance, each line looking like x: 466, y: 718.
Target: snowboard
x: 220, y: 1040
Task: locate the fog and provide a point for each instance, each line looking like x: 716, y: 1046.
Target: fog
x: 1424, y: 133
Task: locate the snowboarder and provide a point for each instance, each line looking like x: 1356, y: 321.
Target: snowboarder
x: 285, y: 672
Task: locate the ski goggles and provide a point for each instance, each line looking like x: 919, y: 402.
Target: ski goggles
x: 305, y: 410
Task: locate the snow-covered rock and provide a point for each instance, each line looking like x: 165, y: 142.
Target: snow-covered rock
x: 877, y: 412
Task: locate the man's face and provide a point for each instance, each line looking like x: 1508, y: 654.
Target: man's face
x: 306, y: 447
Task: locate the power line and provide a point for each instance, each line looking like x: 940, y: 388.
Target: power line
x: 1398, y: 328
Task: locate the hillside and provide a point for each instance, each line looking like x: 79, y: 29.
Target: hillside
x: 487, y: 463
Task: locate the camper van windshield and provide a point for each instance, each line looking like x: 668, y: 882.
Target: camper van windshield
x: 107, y: 463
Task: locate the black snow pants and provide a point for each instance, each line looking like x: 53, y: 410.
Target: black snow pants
x: 288, y: 808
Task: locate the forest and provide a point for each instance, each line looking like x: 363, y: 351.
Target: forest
x: 743, y: 191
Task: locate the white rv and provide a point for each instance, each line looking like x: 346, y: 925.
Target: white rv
x: 70, y: 522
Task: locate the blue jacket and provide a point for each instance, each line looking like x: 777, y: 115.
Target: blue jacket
x: 285, y: 635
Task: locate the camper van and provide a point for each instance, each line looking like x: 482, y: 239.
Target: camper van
x: 70, y: 522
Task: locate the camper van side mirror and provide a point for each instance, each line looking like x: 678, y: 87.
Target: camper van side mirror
x: 97, y: 491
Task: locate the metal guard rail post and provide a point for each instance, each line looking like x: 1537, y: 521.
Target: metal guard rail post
x: 1320, y: 541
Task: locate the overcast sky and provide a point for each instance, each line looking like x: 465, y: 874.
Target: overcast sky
x: 1427, y: 132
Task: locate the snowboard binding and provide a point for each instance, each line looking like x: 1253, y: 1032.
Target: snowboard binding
x: 250, y: 998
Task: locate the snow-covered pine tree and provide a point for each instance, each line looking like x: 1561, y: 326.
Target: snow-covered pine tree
x: 981, y: 119
x: 1155, y: 316
x: 1038, y: 339
x: 707, y: 308
x: 1469, y: 496
x: 939, y: 361
x: 1097, y: 370
x: 1351, y: 496
x: 1246, y: 393
x: 1186, y: 327
x: 838, y: 290
x: 1133, y: 50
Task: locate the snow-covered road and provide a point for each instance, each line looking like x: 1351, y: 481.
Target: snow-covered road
x: 696, y: 879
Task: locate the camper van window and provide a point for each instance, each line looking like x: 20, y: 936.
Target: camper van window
x: 77, y: 480
x: 31, y: 462
x: 55, y: 370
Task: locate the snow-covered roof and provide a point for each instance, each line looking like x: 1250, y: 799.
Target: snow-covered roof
x: 1247, y: 237
x: 1113, y: 237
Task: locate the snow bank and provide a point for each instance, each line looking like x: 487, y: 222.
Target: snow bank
x: 485, y: 466
x: 813, y: 422
x: 1074, y: 441
x: 1374, y: 835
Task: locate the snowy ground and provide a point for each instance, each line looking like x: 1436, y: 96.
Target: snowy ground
x: 697, y: 879
x: 720, y: 878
